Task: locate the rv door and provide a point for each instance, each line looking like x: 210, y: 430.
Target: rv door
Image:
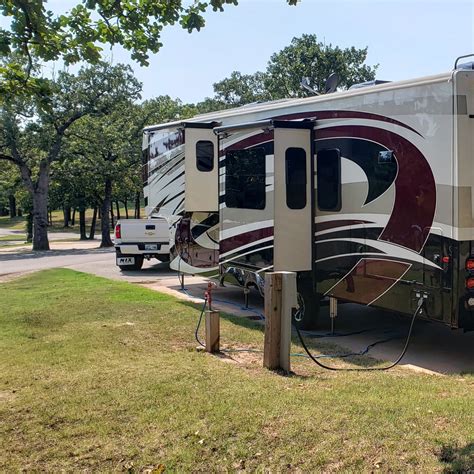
x: 293, y: 184
x: 201, y: 168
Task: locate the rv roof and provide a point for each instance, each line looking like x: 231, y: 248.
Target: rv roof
x: 276, y: 104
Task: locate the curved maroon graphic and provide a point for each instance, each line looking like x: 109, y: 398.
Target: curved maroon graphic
x: 409, y: 224
x: 415, y: 191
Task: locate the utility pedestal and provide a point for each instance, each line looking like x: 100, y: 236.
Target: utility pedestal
x: 212, y: 331
x: 280, y: 299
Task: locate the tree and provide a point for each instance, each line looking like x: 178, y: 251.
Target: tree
x: 32, y: 133
x: 240, y: 89
x: 306, y: 57
x: 136, y: 25
x: 10, y: 183
x: 108, y: 149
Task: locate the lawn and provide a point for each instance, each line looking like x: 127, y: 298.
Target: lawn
x: 104, y: 376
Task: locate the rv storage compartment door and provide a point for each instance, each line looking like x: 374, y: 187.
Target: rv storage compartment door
x: 293, y: 180
x: 201, y: 168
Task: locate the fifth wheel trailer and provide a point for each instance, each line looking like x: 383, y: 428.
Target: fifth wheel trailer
x: 368, y: 194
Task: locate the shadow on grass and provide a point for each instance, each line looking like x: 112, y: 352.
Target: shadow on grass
x: 457, y: 459
x: 30, y: 254
x: 8, y: 222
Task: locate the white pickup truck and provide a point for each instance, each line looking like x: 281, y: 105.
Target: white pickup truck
x: 137, y: 239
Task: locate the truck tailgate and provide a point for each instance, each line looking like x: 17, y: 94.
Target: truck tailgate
x: 144, y: 230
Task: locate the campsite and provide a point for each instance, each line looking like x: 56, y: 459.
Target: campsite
x: 260, y: 264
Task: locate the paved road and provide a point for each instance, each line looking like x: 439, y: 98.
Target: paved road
x: 433, y: 347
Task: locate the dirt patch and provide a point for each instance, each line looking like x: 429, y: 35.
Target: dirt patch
x: 12, y: 276
x: 7, y: 396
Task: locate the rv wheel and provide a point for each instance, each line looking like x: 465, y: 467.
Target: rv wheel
x: 308, y: 302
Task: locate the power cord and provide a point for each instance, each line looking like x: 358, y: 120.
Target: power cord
x: 297, y: 354
x: 365, y: 369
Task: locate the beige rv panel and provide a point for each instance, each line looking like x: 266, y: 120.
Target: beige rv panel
x: 464, y: 143
x: 292, y: 227
x: 201, y: 187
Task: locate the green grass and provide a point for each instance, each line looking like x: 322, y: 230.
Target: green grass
x: 98, y: 375
x: 17, y: 223
x: 12, y: 238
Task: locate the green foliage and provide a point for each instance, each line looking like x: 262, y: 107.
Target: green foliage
x: 304, y: 57
x: 37, y: 33
x: 240, y: 89
x: 307, y: 57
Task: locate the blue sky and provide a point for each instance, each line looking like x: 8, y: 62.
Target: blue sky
x: 408, y: 38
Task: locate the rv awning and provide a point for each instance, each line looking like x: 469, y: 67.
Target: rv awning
x: 181, y: 124
x: 267, y: 124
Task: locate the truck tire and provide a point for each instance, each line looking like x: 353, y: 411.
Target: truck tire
x: 136, y: 266
x: 309, y: 304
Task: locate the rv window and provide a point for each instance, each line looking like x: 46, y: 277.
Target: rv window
x: 329, y: 179
x: 295, y: 168
x: 245, y: 179
x: 205, y: 155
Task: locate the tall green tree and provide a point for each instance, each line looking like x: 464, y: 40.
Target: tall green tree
x: 315, y: 60
x: 304, y: 57
x: 32, y: 133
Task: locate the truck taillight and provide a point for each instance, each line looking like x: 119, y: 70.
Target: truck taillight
x: 470, y: 264
x: 118, y: 233
x: 470, y: 283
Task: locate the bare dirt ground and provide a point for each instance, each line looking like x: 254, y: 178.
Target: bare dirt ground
x: 433, y: 347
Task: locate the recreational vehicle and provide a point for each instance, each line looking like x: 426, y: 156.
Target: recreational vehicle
x: 368, y: 194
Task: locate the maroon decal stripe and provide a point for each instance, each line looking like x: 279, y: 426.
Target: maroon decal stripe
x: 245, y: 238
x: 415, y: 191
x: 345, y: 114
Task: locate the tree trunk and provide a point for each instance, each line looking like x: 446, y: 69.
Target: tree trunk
x: 40, y: 208
x: 106, y: 208
x: 67, y: 215
x: 126, y: 208
x: 73, y: 218
x: 12, y: 205
x: 112, y: 224
x: 82, y: 223
x: 93, y: 223
x: 118, y: 209
x: 137, y: 205
x: 29, y: 227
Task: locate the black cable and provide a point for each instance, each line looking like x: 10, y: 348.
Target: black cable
x: 196, y: 332
x: 365, y: 369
